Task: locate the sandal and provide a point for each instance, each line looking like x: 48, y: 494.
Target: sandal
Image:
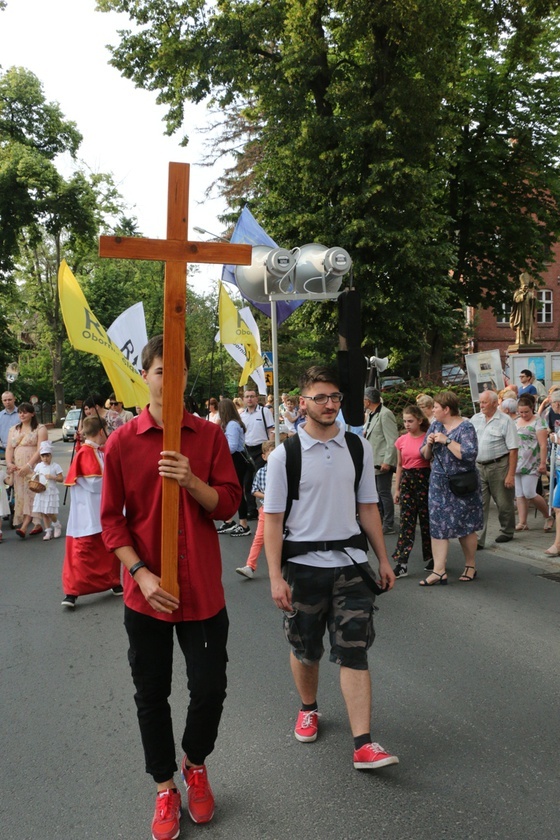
x: 548, y: 525
x: 442, y: 580
x: 465, y: 577
x: 523, y: 527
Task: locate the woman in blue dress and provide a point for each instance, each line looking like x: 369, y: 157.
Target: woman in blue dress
x: 451, y: 445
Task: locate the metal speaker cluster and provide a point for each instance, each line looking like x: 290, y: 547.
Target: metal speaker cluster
x: 310, y: 270
x: 276, y: 264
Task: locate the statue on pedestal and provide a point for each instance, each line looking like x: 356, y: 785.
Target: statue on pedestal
x: 523, y: 311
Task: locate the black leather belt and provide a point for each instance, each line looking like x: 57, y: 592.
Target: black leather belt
x: 493, y: 461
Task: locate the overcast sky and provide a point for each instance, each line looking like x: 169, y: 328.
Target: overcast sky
x: 64, y: 43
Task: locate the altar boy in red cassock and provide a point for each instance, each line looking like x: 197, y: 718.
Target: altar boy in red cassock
x: 88, y: 566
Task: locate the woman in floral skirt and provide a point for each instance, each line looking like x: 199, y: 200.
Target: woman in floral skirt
x: 412, y: 482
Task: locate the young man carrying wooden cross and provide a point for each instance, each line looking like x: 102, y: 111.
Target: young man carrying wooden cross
x: 136, y: 465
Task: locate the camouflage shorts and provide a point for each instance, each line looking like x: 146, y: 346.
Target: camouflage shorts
x: 336, y: 598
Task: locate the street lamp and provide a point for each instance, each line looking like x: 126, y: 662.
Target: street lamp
x: 209, y: 233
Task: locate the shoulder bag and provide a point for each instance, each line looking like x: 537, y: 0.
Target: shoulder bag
x: 463, y: 483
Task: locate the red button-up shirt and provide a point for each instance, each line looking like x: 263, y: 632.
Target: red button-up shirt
x: 131, y: 510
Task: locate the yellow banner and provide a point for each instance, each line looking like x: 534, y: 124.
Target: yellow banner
x: 86, y: 333
x: 233, y: 330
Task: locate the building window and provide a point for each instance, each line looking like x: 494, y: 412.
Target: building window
x: 503, y: 313
x: 544, y: 311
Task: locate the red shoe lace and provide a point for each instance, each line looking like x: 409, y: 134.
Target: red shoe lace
x: 198, y: 784
x: 165, y: 806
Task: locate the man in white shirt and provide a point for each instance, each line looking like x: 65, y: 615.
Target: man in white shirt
x: 323, y: 586
x: 8, y: 417
x: 498, y: 442
x: 259, y: 425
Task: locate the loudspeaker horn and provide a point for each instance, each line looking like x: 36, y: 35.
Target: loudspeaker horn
x: 320, y: 269
x: 379, y: 364
x: 277, y: 262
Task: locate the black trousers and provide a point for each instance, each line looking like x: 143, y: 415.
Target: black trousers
x: 256, y: 454
x: 150, y: 655
x: 242, y: 468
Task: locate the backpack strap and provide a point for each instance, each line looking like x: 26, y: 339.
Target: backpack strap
x: 292, y: 445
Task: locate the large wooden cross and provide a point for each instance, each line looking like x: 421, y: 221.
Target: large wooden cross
x: 176, y: 252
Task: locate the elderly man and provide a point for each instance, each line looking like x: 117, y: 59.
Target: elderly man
x: 380, y: 429
x: 8, y: 418
x: 498, y: 443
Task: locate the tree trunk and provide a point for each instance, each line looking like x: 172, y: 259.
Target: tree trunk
x: 431, y: 352
x: 58, y: 385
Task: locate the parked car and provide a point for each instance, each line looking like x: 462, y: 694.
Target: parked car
x: 70, y: 424
x: 453, y: 375
x: 390, y: 382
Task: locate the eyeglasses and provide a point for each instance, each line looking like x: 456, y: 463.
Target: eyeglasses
x: 112, y: 402
x: 322, y: 399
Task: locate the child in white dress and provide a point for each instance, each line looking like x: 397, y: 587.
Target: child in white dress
x: 4, y: 503
x: 46, y: 504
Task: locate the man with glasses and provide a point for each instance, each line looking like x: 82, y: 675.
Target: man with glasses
x: 323, y: 587
x: 117, y: 415
x: 381, y: 431
x: 259, y: 425
x: 527, y: 387
x: 8, y: 418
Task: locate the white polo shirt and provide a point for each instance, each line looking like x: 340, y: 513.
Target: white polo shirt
x: 326, y: 508
x: 257, y: 423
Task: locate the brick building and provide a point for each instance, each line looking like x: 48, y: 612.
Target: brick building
x: 491, y: 332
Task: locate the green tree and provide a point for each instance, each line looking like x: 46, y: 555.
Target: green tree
x: 32, y: 133
x: 422, y: 137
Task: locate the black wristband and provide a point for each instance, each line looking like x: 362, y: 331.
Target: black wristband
x: 140, y: 565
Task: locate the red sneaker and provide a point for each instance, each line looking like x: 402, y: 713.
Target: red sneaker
x: 165, y: 824
x: 372, y: 756
x: 200, y: 799
x: 307, y: 725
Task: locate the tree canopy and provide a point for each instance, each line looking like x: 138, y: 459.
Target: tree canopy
x: 421, y: 137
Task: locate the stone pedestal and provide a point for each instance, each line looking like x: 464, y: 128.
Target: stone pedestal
x: 525, y: 348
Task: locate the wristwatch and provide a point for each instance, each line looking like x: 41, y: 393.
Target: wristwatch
x: 447, y: 442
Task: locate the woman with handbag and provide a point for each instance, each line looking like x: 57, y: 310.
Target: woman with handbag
x: 455, y: 497
x: 234, y: 430
x: 22, y: 455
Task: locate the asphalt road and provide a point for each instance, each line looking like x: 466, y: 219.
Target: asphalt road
x: 466, y: 683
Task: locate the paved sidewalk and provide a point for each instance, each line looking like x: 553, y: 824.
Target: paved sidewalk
x: 527, y: 546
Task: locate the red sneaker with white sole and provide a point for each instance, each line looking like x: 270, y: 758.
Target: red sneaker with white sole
x: 165, y: 824
x: 307, y: 725
x: 200, y: 799
x: 372, y: 756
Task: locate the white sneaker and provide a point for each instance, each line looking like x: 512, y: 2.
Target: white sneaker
x: 48, y: 534
x: 57, y: 530
x: 246, y: 571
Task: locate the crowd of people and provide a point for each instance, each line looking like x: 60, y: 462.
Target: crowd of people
x: 321, y: 500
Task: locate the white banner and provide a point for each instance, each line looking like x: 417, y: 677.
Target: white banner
x: 128, y: 332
